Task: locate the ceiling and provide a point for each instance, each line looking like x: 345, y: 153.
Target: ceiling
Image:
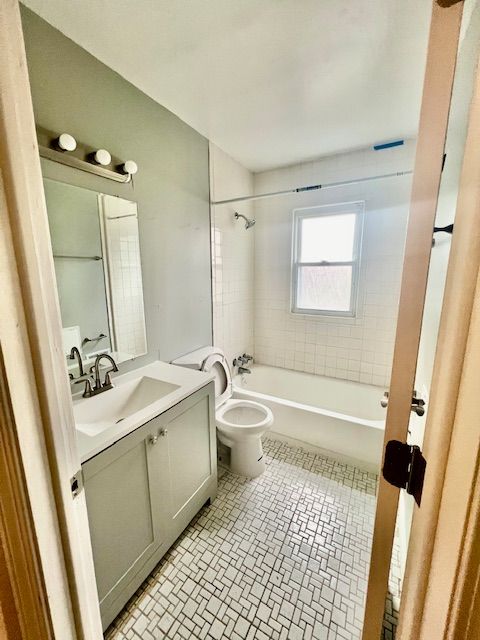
x: 271, y: 82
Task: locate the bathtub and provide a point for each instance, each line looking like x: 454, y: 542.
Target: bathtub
x: 343, y: 419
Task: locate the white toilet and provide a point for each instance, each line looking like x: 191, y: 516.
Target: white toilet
x: 240, y: 423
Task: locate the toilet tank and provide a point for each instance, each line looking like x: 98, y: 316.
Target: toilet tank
x: 194, y: 359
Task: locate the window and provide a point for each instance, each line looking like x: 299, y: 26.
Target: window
x: 326, y: 249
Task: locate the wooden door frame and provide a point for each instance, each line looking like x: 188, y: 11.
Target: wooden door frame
x: 437, y: 90
x: 23, y: 601
x: 30, y: 332
x: 430, y: 606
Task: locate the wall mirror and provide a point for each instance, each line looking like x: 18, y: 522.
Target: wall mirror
x: 96, y: 254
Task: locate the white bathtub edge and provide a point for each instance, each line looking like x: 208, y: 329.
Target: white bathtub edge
x: 339, y: 457
x: 372, y: 424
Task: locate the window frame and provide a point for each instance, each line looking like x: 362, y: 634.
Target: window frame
x: 357, y: 208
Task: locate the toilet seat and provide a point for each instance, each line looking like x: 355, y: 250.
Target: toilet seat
x: 235, y: 415
x: 216, y: 364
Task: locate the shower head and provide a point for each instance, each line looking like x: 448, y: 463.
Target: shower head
x: 248, y: 222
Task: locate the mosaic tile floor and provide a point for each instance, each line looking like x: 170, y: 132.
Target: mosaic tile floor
x: 284, y: 556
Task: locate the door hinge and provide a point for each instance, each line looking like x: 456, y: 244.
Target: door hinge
x: 76, y: 483
x: 404, y: 467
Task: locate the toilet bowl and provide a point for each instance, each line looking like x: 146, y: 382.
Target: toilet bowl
x: 240, y: 426
x: 240, y: 423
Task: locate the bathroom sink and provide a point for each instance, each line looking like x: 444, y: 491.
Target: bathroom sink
x: 94, y: 415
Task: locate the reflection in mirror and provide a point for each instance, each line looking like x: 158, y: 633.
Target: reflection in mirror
x: 98, y: 270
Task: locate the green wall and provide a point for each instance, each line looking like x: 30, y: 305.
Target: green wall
x: 72, y: 91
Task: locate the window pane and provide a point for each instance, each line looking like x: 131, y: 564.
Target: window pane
x: 327, y: 238
x: 324, y: 288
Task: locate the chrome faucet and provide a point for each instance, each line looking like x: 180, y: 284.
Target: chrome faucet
x: 240, y: 361
x: 243, y: 370
x: 99, y: 386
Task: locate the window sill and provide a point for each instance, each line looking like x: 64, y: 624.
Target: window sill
x: 348, y: 318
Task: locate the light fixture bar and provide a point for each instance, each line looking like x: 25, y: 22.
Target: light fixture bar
x: 83, y: 165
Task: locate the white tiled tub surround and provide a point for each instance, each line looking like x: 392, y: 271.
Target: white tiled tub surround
x: 232, y: 256
x: 281, y: 557
x: 360, y: 348
x: 340, y: 418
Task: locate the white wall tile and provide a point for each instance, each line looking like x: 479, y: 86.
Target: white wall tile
x: 232, y: 257
x: 251, y: 269
x: 359, y: 348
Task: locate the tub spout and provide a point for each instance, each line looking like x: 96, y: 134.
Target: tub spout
x: 243, y: 370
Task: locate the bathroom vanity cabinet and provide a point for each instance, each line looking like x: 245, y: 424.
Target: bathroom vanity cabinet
x: 142, y: 492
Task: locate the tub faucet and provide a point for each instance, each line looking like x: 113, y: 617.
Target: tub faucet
x: 241, y: 360
x: 243, y: 370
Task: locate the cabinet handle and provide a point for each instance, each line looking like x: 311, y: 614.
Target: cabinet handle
x: 163, y: 432
x: 153, y: 439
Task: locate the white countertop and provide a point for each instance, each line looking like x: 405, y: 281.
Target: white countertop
x: 187, y: 380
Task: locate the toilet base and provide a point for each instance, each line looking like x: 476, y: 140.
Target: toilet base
x: 246, y: 457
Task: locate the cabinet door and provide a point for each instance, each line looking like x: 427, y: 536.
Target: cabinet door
x: 192, y: 455
x: 126, y: 512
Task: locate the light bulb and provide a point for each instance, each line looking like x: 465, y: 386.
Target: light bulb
x: 102, y: 156
x: 130, y: 167
x: 66, y: 142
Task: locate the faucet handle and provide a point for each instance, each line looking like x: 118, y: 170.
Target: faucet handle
x: 246, y: 357
x: 108, y: 381
x: 80, y: 379
x: 88, y: 389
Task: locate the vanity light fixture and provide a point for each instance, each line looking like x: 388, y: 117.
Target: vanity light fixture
x: 129, y: 167
x: 102, y: 157
x: 66, y: 142
x: 64, y: 149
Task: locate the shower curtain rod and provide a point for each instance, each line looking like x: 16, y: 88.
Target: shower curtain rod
x: 314, y: 187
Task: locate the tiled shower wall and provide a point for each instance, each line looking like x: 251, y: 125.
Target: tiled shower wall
x: 232, y: 256
x: 359, y: 348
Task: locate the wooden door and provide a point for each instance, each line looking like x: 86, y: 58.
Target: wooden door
x: 438, y: 83
x: 442, y: 563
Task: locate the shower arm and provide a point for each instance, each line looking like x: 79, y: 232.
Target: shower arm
x: 248, y: 223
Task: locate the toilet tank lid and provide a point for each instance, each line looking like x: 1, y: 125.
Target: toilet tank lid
x: 194, y: 359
